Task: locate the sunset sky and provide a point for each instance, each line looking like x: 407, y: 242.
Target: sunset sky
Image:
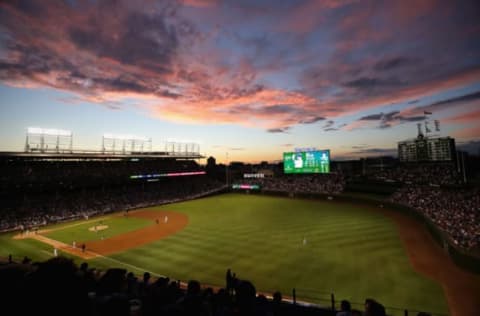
x: 252, y: 78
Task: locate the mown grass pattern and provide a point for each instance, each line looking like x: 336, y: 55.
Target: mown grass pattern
x: 350, y: 251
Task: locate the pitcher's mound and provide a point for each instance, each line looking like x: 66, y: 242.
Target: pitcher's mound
x: 97, y: 228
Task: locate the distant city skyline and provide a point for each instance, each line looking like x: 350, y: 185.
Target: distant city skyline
x: 249, y: 78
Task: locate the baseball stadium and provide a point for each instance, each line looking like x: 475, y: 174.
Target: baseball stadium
x: 306, y: 237
x: 239, y: 158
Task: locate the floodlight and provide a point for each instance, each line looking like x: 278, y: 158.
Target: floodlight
x: 49, y: 131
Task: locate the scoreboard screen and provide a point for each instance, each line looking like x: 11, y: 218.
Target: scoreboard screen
x: 307, y: 162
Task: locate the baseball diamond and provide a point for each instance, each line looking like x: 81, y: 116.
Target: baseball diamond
x: 367, y: 251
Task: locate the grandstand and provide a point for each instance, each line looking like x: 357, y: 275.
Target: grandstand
x: 40, y: 188
x: 51, y: 186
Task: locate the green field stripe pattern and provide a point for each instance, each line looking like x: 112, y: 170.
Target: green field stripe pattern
x: 350, y: 251
x: 81, y: 232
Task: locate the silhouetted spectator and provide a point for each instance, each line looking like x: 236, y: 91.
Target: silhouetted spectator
x: 192, y: 303
x: 55, y: 280
x: 345, y: 309
x: 245, y: 295
x: 277, y: 305
x: 373, y: 308
x: 26, y: 260
x: 228, y: 282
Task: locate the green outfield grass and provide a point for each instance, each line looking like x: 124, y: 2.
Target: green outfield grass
x: 80, y: 231
x: 350, y: 251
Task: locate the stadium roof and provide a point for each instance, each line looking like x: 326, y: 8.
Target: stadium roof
x: 100, y: 155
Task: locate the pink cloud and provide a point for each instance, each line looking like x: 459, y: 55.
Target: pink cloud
x: 470, y: 117
x: 200, y: 3
x: 172, y: 69
x: 357, y: 125
x: 405, y: 12
x: 306, y: 17
x: 415, y: 92
x: 256, y: 109
x: 468, y: 132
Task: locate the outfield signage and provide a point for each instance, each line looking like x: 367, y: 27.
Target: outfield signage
x: 254, y: 175
x: 246, y: 186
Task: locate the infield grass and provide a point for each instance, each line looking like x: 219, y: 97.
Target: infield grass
x: 350, y: 251
x: 82, y: 231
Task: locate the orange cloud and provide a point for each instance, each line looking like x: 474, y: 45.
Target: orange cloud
x: 266, y: 108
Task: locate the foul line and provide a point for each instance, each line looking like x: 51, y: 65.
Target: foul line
x: 128, y: 265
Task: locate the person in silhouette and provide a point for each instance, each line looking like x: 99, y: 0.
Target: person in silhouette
x: 345, y: 309
x: 228, y: 280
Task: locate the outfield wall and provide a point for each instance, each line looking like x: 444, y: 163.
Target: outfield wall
x: 462, y: 258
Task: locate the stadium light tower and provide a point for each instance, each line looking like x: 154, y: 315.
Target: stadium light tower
x: 39, y: 139
x: 182, y: 147
x: 128, y: 143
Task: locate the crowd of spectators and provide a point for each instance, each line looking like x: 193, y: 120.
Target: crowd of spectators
x: 457, y: 212
x: 27, y: 174
x: 37, y: 191
x: 332, y: 183
x: 59, y: 287
x: 421, y: 174
x: 26, y: 210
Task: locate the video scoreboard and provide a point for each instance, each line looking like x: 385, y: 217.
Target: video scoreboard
x: 317, y: 161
